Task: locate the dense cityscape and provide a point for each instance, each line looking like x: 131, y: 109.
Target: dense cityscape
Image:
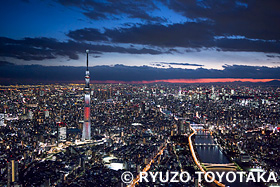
x: 135, y: 128
x: 125, y: 93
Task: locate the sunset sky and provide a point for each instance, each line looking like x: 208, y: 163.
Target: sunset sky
x: 163, y: 39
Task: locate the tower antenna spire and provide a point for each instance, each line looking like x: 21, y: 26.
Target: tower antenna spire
x: 87, y: 58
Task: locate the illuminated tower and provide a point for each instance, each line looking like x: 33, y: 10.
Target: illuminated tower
x: 86, y: 126
x: 180, y: 92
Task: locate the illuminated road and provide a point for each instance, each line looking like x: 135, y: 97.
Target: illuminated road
x: 196, y: 160
x: 147, y: 167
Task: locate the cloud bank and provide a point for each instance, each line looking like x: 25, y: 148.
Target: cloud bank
x: 118, y: 73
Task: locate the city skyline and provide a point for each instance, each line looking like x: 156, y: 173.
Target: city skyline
x: 164, y: 40
x: 136, y: 129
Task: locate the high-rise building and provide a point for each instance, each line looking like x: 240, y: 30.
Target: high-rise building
x: 181, y: 127
x: 180, y: 92
x: 62, y: 133
x: 2, y: 118
x: 143, y: 107
x: 12, y: 172
x: 86, y: 127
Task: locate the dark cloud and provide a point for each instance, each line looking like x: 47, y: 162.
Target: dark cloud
x: 32, y: 49
x: 95, y: 15
x: 36, y: 73
x: 251, y: 71
x: 225, y: 25
x: 193, y: 50
x: 248, y: 45
x: 157, y: 64
x: 49, y: 48
x: 3, y: 63
x: 273, y: 56
x: 90, y: 33
x: 255, y: 21
x: 177, y: 63
x: 96, y: 10
x: 252, y: 18
x: 192, y: 35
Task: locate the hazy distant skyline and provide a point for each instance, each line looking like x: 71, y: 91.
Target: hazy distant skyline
x: 193, y: 34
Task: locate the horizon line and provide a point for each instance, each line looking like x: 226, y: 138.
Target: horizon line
x: 188, y: 81
x: 182, y: 81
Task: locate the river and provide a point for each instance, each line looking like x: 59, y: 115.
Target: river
x: 213, y: 154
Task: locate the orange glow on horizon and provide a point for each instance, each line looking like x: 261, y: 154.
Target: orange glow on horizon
x: 190, y: 81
